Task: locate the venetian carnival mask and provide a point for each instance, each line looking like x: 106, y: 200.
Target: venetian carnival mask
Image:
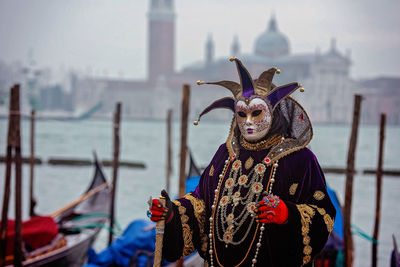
x: 253, y: 119
x: 254, y: 100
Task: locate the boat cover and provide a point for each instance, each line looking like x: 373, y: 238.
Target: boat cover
x: 36, y: 232
x: 138, y: 239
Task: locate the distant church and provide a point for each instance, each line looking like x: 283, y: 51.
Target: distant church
x: 324, y: 75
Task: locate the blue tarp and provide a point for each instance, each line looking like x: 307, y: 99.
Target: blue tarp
x: 191, y: 183
x: 138, y: 236
x: 338, y: 226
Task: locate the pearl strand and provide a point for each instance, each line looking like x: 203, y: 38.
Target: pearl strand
x: 258, y: 245
x: 210, y: 235
x: 262, y: 228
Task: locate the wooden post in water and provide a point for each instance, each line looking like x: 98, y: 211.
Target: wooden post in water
x: 184, y: 126
x: 378, y: 189
x: 117, y: 118
x: 169, y: 149
x: 18, y: 256
x: 348, y: 240
x: 13, y: 144
x: 183, y: 152
x: 32, y: 200
x: 11, y: 140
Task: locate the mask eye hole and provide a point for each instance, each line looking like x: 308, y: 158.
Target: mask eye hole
x: 255, y: 113
x: 242, y: 114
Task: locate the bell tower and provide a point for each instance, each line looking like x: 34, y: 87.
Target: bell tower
x: 161, y: 39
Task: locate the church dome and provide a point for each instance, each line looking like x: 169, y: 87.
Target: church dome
x: 272, y: 43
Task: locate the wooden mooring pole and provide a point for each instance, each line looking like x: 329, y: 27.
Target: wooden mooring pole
x: 378, y: 190
x: 348, y: 239
x: 117, y: 119
x: 183, y: 152
x: 13, y: 146
x: 7, y: 181
x: 18, y: 256
x: 184, y: 126
x: 32, y: 200
x: 169, y: 149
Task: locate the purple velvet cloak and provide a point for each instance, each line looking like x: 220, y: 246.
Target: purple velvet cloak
x: 300, y: 183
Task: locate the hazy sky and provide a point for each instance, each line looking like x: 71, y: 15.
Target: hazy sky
x: 110, y: 36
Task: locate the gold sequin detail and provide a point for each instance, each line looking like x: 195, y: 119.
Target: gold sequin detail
x: 329, y: 222
x: 319, y: 195
x: 182, y: 210
x: 198, y: 205
x: 200, y: 214
x: 327, y: 218
x: 249, y: 162
x: 306, y: 259
x: 307, y: 250
x: 292, y: 189
x: 306, y: 214
x: 211, y: 173
x: 184, y: 218
x: 188, y: 246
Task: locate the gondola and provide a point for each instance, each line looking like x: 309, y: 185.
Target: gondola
x: 135, y: 247
x: 78, y: 223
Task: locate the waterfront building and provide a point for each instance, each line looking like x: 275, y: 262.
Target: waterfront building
x: 325, y: 75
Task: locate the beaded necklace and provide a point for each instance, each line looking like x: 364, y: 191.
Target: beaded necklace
x: 239, y: 189
x: 211, y: 235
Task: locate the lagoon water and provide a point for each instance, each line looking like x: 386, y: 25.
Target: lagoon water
x: 143, y: 141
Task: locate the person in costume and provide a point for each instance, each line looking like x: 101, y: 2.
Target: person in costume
x: 262, y: 201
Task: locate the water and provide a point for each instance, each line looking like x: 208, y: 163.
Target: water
x: 146, y: 142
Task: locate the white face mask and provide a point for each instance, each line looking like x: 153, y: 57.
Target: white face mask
x: 254, y: 119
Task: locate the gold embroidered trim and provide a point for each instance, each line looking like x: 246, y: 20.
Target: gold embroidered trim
x: 211, y: 173
x: 200, y: 214
x: 327, y: 218
x: 184, y: 218
x: 187, y: 240
x: 319, y: 195
x: 188, y: 246
x: 249, y: 162
x: 329, y: 222
x: 198, y: 205
x: 306, y: 214
x: 292, y: 189
x: 264, y: 144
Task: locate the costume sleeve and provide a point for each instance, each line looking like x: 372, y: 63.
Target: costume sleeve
x: 186, y: 232
x: 311, y: 215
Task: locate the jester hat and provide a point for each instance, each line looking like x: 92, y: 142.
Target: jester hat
x: 276, y: 97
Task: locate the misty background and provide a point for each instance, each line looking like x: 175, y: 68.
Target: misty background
x: 110, y: 37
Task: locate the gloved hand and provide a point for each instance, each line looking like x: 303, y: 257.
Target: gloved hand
x: 158, y: 212
x: 271, y: 209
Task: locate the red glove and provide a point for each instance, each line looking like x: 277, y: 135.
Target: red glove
x: 271, y: 209
x: 158, y: 212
